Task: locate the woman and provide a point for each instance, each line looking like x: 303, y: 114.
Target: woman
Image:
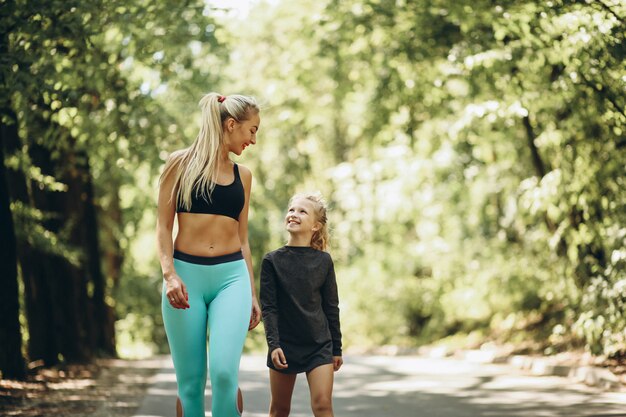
x: 207, y: 269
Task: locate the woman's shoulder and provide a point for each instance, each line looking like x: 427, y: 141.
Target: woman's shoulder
x: 176, y: 157
x: 173, y: 163
x: 244, y: 171
x: 178, y: 154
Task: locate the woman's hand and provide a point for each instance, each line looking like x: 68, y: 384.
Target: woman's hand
x: 278, y: 359
x: 337, y: 362
x: 176, y: 292
x: 255, y: 316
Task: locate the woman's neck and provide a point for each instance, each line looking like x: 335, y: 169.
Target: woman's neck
x: 223, y: 156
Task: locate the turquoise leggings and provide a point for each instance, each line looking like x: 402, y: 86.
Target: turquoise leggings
x: 220, y: 296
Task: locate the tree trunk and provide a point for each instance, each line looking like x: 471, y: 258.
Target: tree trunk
x: 11, y: 358
x: 540, y: 169
x: 68, y: 295
x: 103, y: 318
x: 113, y: 254
x: 41, y: 345
x: 540, y: 166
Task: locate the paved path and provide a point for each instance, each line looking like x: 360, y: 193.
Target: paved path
x: 409, y: 386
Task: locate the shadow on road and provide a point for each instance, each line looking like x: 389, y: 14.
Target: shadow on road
x: 377, y: 386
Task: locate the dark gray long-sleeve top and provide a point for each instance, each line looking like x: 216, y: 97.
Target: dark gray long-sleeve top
x: 299, y: 299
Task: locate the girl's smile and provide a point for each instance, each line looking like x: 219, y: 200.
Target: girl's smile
x: 301, y: 217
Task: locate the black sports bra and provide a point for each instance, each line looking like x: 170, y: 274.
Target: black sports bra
x: 226, y: 200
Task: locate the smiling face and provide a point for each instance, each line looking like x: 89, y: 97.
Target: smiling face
x: 240, y: 135
x: 301, y: 217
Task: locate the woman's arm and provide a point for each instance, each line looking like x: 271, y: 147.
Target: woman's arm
x: 246, y: 179
x: 175, y: 289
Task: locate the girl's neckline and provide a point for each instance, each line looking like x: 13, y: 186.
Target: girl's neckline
x: 298, y: 247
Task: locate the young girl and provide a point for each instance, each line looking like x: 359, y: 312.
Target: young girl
x: 300, y: 309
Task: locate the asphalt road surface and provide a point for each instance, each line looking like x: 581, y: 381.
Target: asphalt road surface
x: 412, y: 386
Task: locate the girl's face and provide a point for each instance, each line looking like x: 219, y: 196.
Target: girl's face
x: 301, y: 217
x: 242, y: 134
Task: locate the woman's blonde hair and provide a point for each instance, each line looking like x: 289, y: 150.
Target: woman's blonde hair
x: 321, y: 238
x: 195, y: 167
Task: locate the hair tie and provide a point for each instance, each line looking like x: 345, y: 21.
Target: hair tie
x: 221, y: 99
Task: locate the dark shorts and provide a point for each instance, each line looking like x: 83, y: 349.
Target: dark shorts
x: 303, y: 358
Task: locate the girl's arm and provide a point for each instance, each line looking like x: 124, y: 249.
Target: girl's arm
x: 330, y: 305
x: 269, y: 304
x: 246, y: 179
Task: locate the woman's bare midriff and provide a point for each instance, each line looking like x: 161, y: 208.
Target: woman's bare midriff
x: 207, y: 234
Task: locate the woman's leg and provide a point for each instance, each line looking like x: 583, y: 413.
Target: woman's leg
x: 281, y: 386
x: 229, y: 317
x: 186, y: 334
x: 321, y: 388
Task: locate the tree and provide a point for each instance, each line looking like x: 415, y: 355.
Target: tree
x: 11, y: 359
x: 74, y: 89
x: 486, y: 135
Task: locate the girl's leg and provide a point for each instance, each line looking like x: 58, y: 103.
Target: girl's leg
x: 321, y: 388
x: 229, y: 316
x: 281, y: 386
x: 186, y: 335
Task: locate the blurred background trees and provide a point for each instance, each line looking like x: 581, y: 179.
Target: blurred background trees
x: 473, y: 154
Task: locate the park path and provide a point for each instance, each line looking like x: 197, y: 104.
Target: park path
x: 413, y: 386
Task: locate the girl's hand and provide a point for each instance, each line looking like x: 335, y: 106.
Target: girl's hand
x: 278, y: 359
x: 176, y: 292
x: 337, y: 362
x: 255, y: 316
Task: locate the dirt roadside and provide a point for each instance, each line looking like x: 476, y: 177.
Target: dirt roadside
x: 111, y: 387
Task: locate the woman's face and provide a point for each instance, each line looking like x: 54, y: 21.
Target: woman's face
x: 243, y: 134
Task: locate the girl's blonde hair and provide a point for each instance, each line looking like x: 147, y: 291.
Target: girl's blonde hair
x: 195, y: 167
x: 321, y: 238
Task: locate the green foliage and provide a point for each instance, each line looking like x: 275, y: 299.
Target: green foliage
x: 473, y: 153
x: 516, y: 113
x: 603, y: 304
x: 139, y: 329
